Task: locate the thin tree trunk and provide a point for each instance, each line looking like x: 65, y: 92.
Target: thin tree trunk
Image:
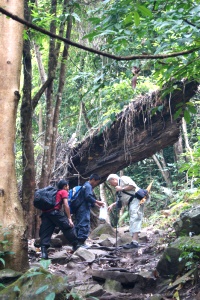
x: 84, y: 112
x: 28, y: 161
x: 11, y: 213
x: 187, y: 144
x: 43, y: 78
x: 42, y: 73
x: 50, y: 136
x: 178, y: 148
x: 163, y: 168
x: 60, y: 93
x: 44, y: 178
x: 188, y: 149
x: 103, y: 198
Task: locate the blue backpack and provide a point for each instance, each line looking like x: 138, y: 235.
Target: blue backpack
x: 75, y: 198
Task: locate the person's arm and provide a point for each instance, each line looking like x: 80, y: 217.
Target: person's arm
x: 67, y: 211
x: 99, y: 203
x: 125, y: 188
x: 110, y: 207
x: 145, y: 200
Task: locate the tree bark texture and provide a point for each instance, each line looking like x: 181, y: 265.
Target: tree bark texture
x: 11, y: 213
x: 62, y: 76
x: 136, y: 134
x: 28, y: 161
x: 46, y: 167
x: 162, y: 166
x: 51, y: 113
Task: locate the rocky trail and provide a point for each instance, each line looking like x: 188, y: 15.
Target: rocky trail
x: 108, y: 271
x: 164, y: 266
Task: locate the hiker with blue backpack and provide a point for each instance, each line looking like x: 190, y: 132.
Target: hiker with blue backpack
x: 83, y: 201
x: 134, y: 197
x: 53, y: 217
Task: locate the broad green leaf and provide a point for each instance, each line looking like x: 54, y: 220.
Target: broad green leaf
x: 41, y: 289
x: 136, y: 18
x: 3, y: 261
x: 179, y: 105
x: 160, y: 108
x: 192, y: 109
x: 95, y: 20
x: 76, y: 17
x: 45, y: 263
x: 51, y: 296
x: 187, y: 116
x: 128, y: 19
x: 16, y: 289
x: 33, y: 274
x: 145, y: 11
x: 168, y: 258
x: 177, y: 113
x: 90, y: 36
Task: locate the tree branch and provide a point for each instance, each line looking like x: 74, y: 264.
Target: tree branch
x: 77, y: 45
x: 190, y: 23
x: 37, y: 96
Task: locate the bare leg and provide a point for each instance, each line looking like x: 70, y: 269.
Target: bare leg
x: 135, y: 236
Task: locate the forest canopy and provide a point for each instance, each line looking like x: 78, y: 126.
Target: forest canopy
x: 84, y: 64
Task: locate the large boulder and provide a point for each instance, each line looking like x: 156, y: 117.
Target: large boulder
x: 35, y: 284
x: 103, y: 229
x: 189, y: 221
x: 169, y: 264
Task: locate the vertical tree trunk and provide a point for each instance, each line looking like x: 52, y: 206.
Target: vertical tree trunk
x: 187, y: 144
x: 103, y: 198
x: 188, y: 149
x: 11, y: 213
x: 52, y: 114
x: 43, y: 78
x: 28, y: 161
x: 178, y: 148
x: 163, y: 168
x: 60, y: 93
x: 44, y: 178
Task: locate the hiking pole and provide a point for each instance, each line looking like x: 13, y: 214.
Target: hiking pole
x: 118, y: 207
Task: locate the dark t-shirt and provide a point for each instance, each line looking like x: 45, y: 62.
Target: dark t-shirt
x: 61, y: 194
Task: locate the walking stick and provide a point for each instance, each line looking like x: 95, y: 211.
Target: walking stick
x: 118, y: 207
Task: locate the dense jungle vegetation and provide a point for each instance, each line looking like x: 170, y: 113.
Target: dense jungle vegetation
x: 122, y: 49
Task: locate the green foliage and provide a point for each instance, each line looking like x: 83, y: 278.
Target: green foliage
x: 4, y: 244
x: 45, y: 263
x: 123, y: 27
x: 74, y: 296
x: 124, y: 218
x: 51, y: 296
x: 151, y: 28
x: 185, y: 109
x: 192, y: 166
x: 190, y: 253
x: 42, y: 289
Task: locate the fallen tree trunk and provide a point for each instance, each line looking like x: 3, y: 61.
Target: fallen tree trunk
x: 144, y: 127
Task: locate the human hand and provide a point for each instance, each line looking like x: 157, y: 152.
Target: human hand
x: 118, y: 188
x: 71, y: 224
x: 99, y: 203
x: 111, y: 206
x: 142, y: 201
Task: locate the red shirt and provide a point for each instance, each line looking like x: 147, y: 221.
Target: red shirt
x: 61, y: 194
